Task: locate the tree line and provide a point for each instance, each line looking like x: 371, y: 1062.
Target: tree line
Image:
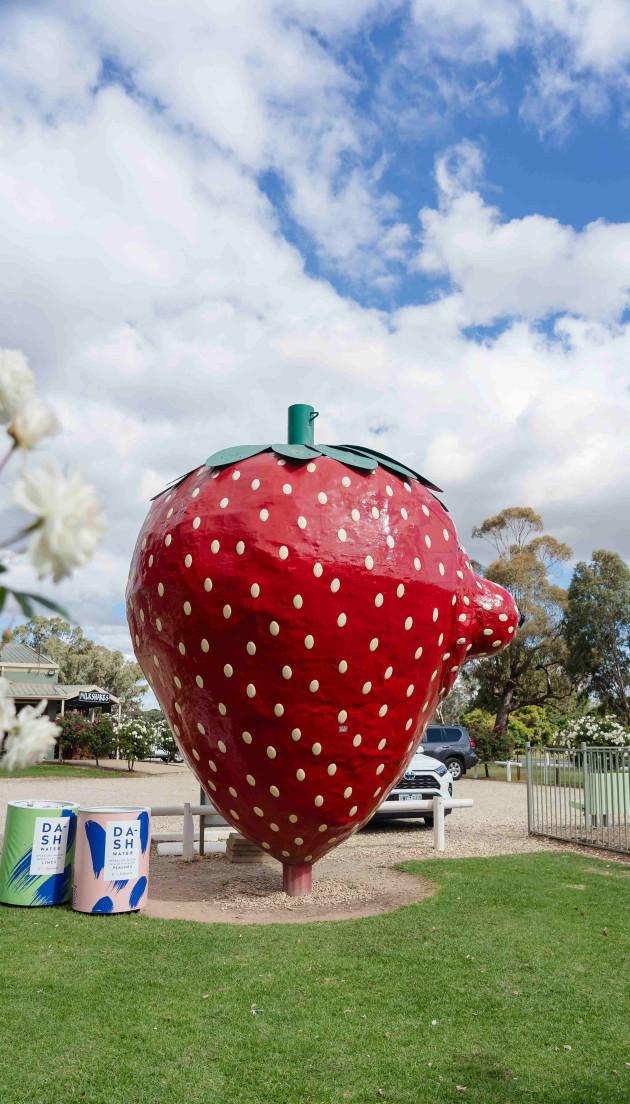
x: 571, y: 652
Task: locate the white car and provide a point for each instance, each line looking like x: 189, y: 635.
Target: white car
x: 423, y: 780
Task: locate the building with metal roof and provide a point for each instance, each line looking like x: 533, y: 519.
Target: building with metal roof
x: 32, y: 676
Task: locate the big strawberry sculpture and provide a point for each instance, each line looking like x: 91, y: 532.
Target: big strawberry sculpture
x: 300, y: 611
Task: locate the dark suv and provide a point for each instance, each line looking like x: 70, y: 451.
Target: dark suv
x: 452, y: 745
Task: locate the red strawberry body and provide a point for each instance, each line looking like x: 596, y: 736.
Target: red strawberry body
x: 299, y: 623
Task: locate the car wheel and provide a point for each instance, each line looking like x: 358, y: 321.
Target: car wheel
x: 455, y: 767
x: 428, y: 820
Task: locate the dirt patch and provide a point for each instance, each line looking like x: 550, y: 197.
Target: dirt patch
x: 213, y: 890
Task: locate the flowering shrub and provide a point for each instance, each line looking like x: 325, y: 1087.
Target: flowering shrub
x: 64, y: 525
x: 137, y: 739
x: 593, y: 731
x: 77, y: 733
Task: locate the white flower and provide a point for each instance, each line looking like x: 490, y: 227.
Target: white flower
x: 70, y: 521
x: 32, y: 422
x: 29, y: 734
x: 16, y: 383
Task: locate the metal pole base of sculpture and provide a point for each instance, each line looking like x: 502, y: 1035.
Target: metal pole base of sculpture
x: 297, y: 881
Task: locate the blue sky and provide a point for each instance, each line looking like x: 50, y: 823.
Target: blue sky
x: 413, y: 215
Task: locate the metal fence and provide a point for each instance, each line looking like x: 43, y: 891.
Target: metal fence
x: 580, y: 795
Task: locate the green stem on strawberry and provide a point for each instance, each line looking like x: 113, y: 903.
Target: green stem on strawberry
x: 302, y: 424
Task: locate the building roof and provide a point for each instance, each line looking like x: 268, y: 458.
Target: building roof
x: 13, y: 654
x: 39, y: 690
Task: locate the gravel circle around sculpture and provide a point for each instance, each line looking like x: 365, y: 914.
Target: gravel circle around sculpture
x: 213, y: 890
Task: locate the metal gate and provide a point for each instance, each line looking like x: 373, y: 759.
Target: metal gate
x: 580, y: 795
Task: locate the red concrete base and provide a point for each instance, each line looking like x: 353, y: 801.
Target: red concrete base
x: 297, y: 881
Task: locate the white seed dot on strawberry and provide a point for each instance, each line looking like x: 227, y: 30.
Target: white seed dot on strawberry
x: 255, y: 484
x: 342, y: 535
x: 222, y: 709
x: 376, y: 513
x: 409, y: 724
x: 425, y: 510
x: 298, y: 840
x: 427, y: 540
x: 487, y: 632
x: 311, y: 467
x: 460, y: 574
x: 300, y: 775
x: 281, y: 463
x: 309, y: 641
x: 293, y: 818
x: 287, y: 488
x: 161, y: 594
x: 286, y: 672
x: 497, y: 643
x: 201, y: 728
x: 205, y: 647
x: 377, y: 792
x: 367, y: 686
x: 214, y: 547
x: 274, y: 628
x: 316, y: 749
x: 247, y: 737
x: 223, y: 503
x: 221, y: 746
x: 254, y: 590
x: 404, y: 513
x: 447, y: 655
x: 342, y: 716
x: 178, y: 708
x: 274, y: 791
x: 234, y: 815
x: 251, y: 647
x: 144, y: 543
x: 400, y: 590
x: 274, y: 827
x: 228, y: 670
x: 334, y: 586
x: 264, y: 515
x: 258, y: 811
x: 302, y: 522
x: 199, y: 681
x: 137, y: 640
x: 318, y: 571
x: 168, y: 538
x: 343, y: 667
x: 416, y: 563
x: 332, y: 769
x: 441, y: 568
x: 388, y: 673
x: 271, y: 752
x: 356, y: 741
x: 212, y: 765
x: 278, y: 709
x: 195, y: 492
x: 510, y: 630
x: 390, y: 541
x: 251, y: 690
x: 503, y: 617
x: 352, y: 811
x: 322, y: 498
x: 187, y: 561
x: 380, y: 768
x: 355, y: 515
x: 265, y: 845
x: 251, y: 780
x: 156, y: 661
x: 196, y: 522
x: 467, y: 601
x: 319, y: 801
x: 378, y: 601
x: 211, y: 784
x: 313, y: 686
x: 158, y: 624
x: 408, y: 622
x: 341, y: 620
x: 296, y: 734
x: 176, y: 730
x: 287, y: 854
x: 240, y: 548
x: 283, y: 552
x: 322, y: 828
x: 382, y: 711
x: 298, y: 601
x: 410, y: 690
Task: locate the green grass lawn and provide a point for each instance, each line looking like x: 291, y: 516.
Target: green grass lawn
x: 64, y: 770
x: 516, y: 959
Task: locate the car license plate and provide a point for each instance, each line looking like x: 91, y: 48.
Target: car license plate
x: 408, y: 797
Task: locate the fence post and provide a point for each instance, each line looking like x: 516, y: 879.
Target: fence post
x: 439, y: 837
x: 188, y: 843
x: 202, y: 822
x: 508, y: 771
x: 587, y: 796
x: 475, y: 775
x: 528, y: 768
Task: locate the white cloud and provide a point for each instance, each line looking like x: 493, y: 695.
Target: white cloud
x: 530, y: 267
